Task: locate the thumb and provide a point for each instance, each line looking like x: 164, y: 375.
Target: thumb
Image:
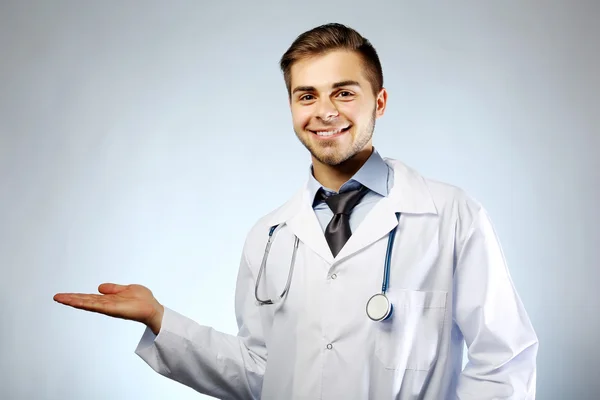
x: 111, y: 288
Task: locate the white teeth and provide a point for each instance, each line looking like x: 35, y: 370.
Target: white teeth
x: 329, y: 133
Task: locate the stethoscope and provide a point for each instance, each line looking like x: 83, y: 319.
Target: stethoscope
x: 379, y: 307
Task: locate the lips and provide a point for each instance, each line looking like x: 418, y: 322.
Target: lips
x: 330, y: 132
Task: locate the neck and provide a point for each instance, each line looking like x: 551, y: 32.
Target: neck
x: 334, y: 176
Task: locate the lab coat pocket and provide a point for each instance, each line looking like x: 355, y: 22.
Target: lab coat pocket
x: 411, y: 337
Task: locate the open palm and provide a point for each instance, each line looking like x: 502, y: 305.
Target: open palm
x: 132, y: 302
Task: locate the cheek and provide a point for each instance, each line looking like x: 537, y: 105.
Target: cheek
x: 349, y: 111
x: 301, y: 117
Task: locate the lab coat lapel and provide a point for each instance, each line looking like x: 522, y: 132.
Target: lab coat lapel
x: 301, y: 219
x: 306, y: 227
x: 377, y: 224
x: 409, y: 195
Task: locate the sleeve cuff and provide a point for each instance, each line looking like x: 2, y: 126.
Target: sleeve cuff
x: 147, y: 347
x: 149, y: 338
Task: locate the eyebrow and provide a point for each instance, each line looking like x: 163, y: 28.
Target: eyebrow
x: 334, y: 86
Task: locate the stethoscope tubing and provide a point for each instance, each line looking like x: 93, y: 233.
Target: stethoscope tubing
x: 273, y: 230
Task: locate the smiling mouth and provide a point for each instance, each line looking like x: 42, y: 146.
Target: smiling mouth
x: 331, y: 132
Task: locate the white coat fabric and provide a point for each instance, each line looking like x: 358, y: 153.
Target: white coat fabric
x: 449, y: 285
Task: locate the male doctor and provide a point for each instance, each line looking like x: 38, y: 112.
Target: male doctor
x: 359, y: 223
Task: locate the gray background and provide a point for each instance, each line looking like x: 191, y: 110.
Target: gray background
x: 139, y: 141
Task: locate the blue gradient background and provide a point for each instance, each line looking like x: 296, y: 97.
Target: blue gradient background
x: 129, y: 130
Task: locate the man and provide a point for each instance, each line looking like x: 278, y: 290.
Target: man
x: 305, y: 330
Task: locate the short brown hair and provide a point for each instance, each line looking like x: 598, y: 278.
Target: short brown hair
x: 329, y: 37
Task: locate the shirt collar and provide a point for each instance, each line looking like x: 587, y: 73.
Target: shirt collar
x: 373, y: 175
x: 409, y: 193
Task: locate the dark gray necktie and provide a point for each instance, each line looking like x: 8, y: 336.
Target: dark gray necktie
x: 338, y: 230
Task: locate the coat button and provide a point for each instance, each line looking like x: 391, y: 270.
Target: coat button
x: 333, y: 276
x: 329, y: 346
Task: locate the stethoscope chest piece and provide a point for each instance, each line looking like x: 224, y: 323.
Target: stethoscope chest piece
x: 379, y: 307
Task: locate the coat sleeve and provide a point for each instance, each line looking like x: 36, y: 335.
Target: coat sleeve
x: 501, y: 342
x: 211, y: 362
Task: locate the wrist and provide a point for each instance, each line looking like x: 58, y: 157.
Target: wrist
x: 155, y: 323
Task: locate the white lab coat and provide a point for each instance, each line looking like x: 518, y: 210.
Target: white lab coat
x: 449, y: 285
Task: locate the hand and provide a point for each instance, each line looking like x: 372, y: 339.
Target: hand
x: 132, y: 302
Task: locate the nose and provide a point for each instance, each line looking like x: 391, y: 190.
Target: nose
x: 326, y: 110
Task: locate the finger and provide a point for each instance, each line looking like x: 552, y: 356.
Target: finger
x: 74, y: 298
x: 62, y: 297
x: 88, y: 302
x: 111, y: 288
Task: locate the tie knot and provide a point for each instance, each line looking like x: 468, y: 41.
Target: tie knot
x: 343, y: 203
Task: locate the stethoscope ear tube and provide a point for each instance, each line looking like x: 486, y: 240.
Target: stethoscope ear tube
x: 259, y: 301
x: 388, y: 257
x: 263, y: 265
x: 379, y: 307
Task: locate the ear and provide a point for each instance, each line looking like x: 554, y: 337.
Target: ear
x: 381, y: 102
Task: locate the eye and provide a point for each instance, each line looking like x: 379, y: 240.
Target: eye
x: 306, y: 97
x: 345, y: 93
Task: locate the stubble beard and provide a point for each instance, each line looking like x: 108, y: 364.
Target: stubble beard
x: 335, y: 159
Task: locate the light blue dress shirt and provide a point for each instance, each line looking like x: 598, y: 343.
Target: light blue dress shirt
x: 374, y: 175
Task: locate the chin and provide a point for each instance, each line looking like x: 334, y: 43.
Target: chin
x: 332, y: 159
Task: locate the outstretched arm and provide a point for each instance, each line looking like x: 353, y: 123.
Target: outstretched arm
x: 211, y: 362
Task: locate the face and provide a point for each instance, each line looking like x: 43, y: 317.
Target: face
x: 333, y: 106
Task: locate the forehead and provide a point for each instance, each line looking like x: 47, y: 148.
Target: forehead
x: 322, y: 71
